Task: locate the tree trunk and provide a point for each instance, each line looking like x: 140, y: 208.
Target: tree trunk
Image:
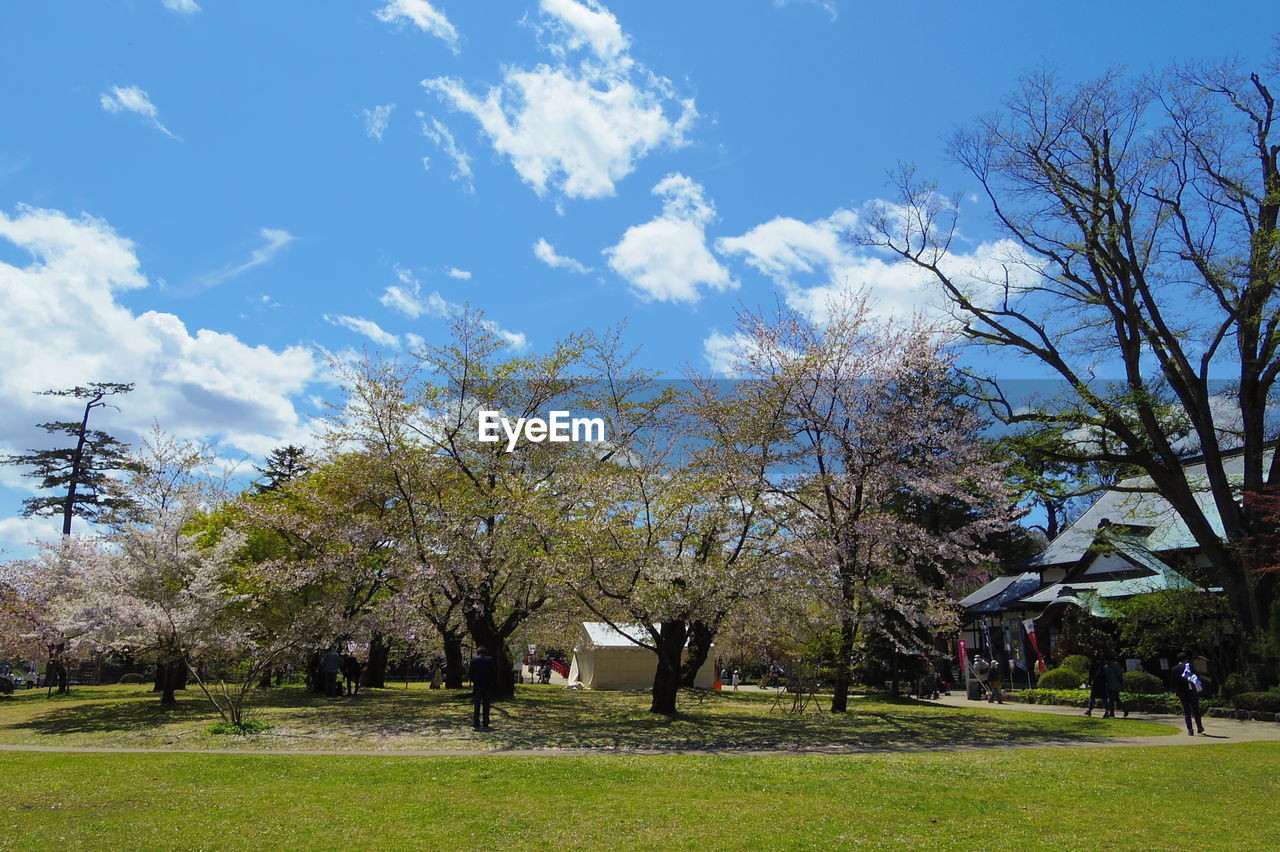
x: 56, y: 672
x: 453, y: 664
x: 701, y: 634
x: 170, y: 677
x: 844, y: 650
x: 666, y: 679
x: 375, y: 670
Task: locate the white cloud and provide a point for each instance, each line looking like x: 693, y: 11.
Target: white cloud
x: 439, y: 134
x: 63, y: 325
x: 576, y: 128
x: 582, y: 24
x: 275, y: 240
x: 546, y: 253
x: 424, y: 16
x: 725, y: 352
x: 828, y: 6
x: 455, y: 272
x: 406, y: 297
x: 377, y: 119
x: 666, y: 259
x: 134, y: 100
x: 368, y: 328
x: 16, y: 534
x: 185, y: 7
x: 814, y: 263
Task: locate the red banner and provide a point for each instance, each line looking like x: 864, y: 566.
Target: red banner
x: 1029, y: 625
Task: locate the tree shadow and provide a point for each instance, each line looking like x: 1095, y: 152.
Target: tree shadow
x: 550, y: 717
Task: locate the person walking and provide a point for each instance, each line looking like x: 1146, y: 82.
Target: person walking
x: 995, y: 682
x: 1112, y: 682
x: 351, y: 670
x: 331, y: 665
x: 1097, y: 689
x: 1186, y: 685
x: 483, y: 679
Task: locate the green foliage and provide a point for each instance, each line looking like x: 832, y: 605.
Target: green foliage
x: 241, y: 728
x: 132, y: 677
x: 1163, y: 702
x: 1077, y: 663
x: 1066, y: 696
x: 1084, y: 634
x: 1236, y: 684
x: 1142, y: 682
x: 1152, y: 625
x: 1061, y: 678
x: 1267, y: 702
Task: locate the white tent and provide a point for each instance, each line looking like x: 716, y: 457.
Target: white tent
x: 607, y: 659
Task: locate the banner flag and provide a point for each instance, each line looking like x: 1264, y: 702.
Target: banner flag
x: 1029, y: 625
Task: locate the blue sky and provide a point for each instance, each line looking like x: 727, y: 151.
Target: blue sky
x: 205, y: 197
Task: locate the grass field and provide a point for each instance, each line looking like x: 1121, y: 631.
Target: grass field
x: 1174, y: 797
x: 539, y: 717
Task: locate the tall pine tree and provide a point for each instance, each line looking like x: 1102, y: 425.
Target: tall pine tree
x: 78, y: 473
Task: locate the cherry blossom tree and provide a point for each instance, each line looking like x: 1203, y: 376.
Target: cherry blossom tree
x: 872, y: 432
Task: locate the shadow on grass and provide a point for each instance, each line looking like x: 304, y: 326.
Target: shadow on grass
x: 551, y: 717
x: 114, y: 716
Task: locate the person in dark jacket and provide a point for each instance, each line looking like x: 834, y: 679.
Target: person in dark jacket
x: 483, y: 680
x: 1180, y: 679
x: 331, y: 665
x: 1097, y: 689
x: 1112, y: 681
x: 351, y: 670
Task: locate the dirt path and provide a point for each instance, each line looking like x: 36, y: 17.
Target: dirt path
x: 1215, y: 730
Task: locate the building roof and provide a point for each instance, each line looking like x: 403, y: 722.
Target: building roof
x: 603, y: 636
x: 995, y: 594
x: 1157, y: 527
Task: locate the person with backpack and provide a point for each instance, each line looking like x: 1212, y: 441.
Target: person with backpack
x: 1186, y: 685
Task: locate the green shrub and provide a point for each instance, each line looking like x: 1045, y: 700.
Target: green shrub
x: 1077, y: 662
x: 1142, y: 682
x: 1163, y: 702
x: 248, y: 726
x: 132, y: 677
x: 1060, y: 678
x: 1236, y: 684
x: 1267, y: 702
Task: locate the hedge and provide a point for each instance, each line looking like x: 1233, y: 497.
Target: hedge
x: 1142, y: 682
x: 1161, y: 702
x: 1266, y: 702
x: 1060, y: 678
x: 1077, y: 662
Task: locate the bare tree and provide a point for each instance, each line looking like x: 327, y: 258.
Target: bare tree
x: 1139, y: 219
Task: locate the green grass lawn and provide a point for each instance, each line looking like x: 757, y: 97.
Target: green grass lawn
x: 1174, y: 797
x: 539, y: 717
